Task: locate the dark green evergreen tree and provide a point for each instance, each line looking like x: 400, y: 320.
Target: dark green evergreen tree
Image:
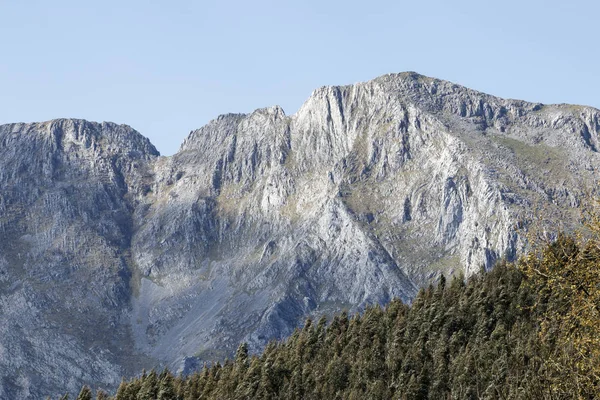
x: 85, y: 393
x: 149, y: 387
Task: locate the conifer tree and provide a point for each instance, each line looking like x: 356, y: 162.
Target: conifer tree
x: 101, y: 395
x: 166, y: 388
x: 85, y: 393
x: 149, y: 387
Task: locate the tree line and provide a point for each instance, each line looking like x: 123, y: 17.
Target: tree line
x: 529, y: 330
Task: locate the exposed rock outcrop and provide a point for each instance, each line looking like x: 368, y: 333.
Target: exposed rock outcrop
x: 113, y: 258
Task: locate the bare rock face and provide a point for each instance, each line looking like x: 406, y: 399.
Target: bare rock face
x: 67, y: 196
x: 113, y: 258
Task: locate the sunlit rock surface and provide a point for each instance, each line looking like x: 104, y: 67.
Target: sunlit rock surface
x: 113, y: 258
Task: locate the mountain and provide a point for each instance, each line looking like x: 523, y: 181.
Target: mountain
x: 468, y: 341
x: 113, y: 258
x: 525, y: 331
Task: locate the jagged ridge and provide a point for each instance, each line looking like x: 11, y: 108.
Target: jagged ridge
x: 366, y: 193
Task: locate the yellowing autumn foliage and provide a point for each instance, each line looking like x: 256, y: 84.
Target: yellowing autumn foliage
x: 567, y: 275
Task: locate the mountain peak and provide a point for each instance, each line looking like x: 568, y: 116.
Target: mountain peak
x: 368, y: 192
x: 66, y: 132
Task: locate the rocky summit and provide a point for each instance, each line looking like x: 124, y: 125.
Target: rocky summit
x: 114, y: 259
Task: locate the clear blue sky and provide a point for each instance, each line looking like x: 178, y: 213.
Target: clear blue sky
x: 167, y: 67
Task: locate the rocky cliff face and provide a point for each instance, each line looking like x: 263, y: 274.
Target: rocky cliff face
x: 67, y: 197
x: 113, y: 258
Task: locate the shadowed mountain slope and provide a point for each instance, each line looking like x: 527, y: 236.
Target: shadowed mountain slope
x: 116, y: 258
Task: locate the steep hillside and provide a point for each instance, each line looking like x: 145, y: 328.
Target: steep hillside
x: 66, y: 202
x: 496, y: 336
x: 462, y: 341
x: 114, y: 257
x: 366, y: 193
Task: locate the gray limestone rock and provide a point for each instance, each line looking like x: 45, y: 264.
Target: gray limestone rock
x: 113, y: 258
